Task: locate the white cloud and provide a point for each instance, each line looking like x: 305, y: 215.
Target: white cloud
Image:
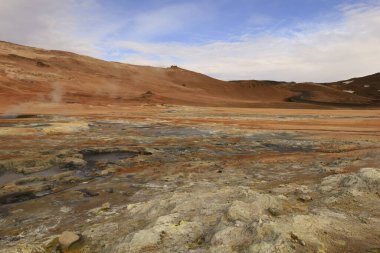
x: 82, y: 26
x: 316, y: 52
x: 52, y: 24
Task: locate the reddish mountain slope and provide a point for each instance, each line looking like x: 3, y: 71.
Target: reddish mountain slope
x: 42, y: 76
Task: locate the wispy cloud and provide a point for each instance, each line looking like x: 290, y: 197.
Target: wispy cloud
x: 330, y: 50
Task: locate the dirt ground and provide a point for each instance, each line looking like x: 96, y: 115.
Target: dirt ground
x: 190, y: 179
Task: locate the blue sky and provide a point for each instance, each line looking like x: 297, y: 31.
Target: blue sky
x: 219, y: 20
x: 301, y: 40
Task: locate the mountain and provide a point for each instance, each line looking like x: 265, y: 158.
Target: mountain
x: 368, y: 86
x: 32, y: 75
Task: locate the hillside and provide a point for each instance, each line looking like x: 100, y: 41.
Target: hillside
x: 368, y: 86
x: 32, y: 75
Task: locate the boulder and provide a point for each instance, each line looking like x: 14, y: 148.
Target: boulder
x: 68, y: 238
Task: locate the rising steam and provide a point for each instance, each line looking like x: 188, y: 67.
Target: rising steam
x: 54, y: 97
x: 57, y: 93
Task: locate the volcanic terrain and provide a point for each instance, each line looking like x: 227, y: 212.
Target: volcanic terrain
x: 100, y: 156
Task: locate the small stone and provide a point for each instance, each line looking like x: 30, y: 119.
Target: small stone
x: 297, y: 239
x: 305, y: 198
x: 106, y: 206
x: 105, y: 173
x: 88, y: 193
x: 109, y: 190
x: 274, y: 211
x: 65, y: 209
x: 41, y: 64
x: 74, y: 163
x: 68, y: 238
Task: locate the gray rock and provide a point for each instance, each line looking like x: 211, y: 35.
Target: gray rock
x: 241, y: 211
x: 232, y: 236
x: 145, y: 239
x: 68, y: 238
x: 365, y: 180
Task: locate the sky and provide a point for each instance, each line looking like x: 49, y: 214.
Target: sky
x: 289, y: 40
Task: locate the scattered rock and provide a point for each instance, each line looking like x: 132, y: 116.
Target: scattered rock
x: 365, y: 180
x: 100, y: 210
x: 147, y: 94
x: 74, y: 163
x: 88, y: 193
x: 305, y: 198
x: 68, y: 238
x: 296, y: 238
x: 108, y: 170
x: 65, y: 209
x: 275, y: 211
x: 41, y: 64
x: 109, y: 190
x: 241, y: 211
x: 62, y: 175
x: 106, y: 206
x: 333, y: 170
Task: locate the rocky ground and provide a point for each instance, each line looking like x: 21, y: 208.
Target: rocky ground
x: 183, y: 179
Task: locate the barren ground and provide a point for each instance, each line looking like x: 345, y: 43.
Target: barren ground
x: 190, y: 179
